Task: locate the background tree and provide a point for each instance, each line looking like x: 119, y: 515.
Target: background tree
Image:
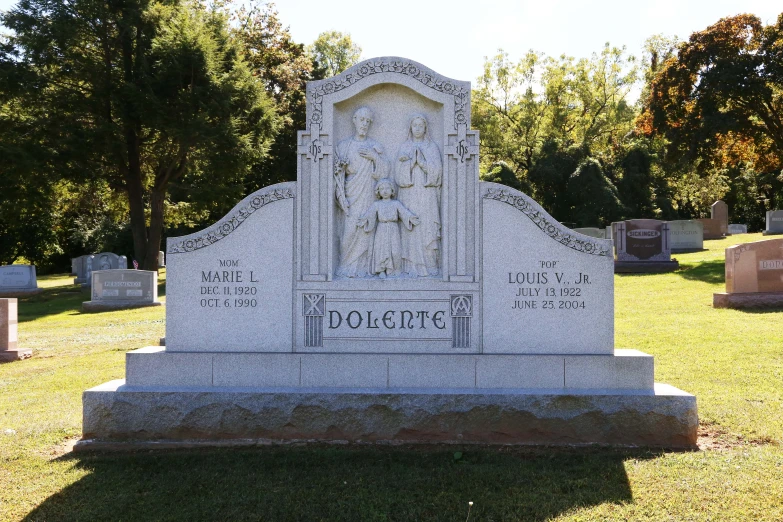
x: 139, y: 94
x: 284, y: 67
x: 718, y: 104
x: 334, y: 52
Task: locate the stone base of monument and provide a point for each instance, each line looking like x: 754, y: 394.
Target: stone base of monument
x: 20, y: 292
x: 103, y: 306
x: 504, y: 399
x: 645, y: 267
x: 687, y: 250
x: 15, y: 355
x: 769, y: 233
x: 748, y: 300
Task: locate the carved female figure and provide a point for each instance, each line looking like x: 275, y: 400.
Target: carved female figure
x: 419, y: 173
x: 358, y: 165
x: 387, y: 213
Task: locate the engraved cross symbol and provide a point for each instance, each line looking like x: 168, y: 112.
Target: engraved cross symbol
x: 313, y: 304
x: 314, y: 145
x: 462, y: 149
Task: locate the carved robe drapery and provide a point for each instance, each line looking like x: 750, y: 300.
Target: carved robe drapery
x: 358, y: 187
x: 419, y: 175
x: 387, y: 248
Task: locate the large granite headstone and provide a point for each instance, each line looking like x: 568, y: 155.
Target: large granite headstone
x: 754, y: 276
x: 18, y: 281
x: 390, y: 296
x: 93, y: 262
x: 774, y: 222
x: 686, y: 235
x: 719, y: 211
x: 122, y: 288
x: 712, y: 228
x: 9, y: 351
x: 642, y: 246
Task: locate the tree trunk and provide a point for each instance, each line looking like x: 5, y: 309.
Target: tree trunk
x: 157, y: 195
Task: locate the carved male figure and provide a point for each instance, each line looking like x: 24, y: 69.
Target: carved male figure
x: 386, y: 212
x: 359, y: 164
x: 419, y: 173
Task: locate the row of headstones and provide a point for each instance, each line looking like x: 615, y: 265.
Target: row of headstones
x: 83, y: 266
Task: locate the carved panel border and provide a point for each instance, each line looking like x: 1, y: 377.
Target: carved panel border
x: 408, y: 68
x: 231, y: 222
x: 547, y: 224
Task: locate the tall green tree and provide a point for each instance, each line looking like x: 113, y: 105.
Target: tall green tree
x: 140, y: 94
x: 334, y: 52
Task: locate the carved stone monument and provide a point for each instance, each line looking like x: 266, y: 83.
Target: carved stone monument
x: 388, y: 295
x: 774, y: 223
x: 754, y: 276
x: 719, y: 211
x: 686, y: 235
x: 642, y: 246
x: 9, y: 351
x: 18, y: 281
x: 122, y: 288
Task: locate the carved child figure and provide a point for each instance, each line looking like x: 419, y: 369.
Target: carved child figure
x: 387, y: 212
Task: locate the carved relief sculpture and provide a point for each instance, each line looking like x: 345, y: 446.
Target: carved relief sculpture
x: 359, y: 164
x: 419, y: 173
x: 387, y: 212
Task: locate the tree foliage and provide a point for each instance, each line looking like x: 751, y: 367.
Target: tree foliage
x: 140, y: 95
x: 334, y: 52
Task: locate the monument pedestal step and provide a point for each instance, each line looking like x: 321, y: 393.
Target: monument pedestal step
x: 15, y: 355
x: 645, y: 267
x: 768, y: 233
x: 748, y: 300
x: 101, y: 306
x: 622, y: 370
x: 20, y: 292
x: 661, y: 417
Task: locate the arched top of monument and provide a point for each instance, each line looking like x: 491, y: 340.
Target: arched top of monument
x: 388, y: 69
x: 231, y: 221
x: 541, y: 218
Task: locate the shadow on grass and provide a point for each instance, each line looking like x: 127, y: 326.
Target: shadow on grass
x: 707, y: 271
x: 342, y: 483
x: 52, y: 301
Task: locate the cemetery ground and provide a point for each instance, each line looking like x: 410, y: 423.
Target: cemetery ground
x: 731, y: 360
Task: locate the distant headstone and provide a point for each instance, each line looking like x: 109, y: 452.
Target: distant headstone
x: 161, y: 259
x: 712, y: 228
x: 9, y: 351
x: 122, y: 288
x: 390, y: 291
x: 642, y: 246
x: 18, y: 280
x: 774, y: 222
x: 686, y: 235
x: 720, y: 212
x: 93, y: 262
x: 735, y: 228
x: 754, y: 275
x: 75, y: 265
x: 591, y: 231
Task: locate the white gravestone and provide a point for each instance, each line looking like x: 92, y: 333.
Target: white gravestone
x: 774, y: 222
x: 388, y: 279
x: 592, y: 232
x: 161, y: 259
x: 122, y: 288
x: 91, y: 262
x: 18, y: 280
x: 686, y: 235
x: 735, y: 228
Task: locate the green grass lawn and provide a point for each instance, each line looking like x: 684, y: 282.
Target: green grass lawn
x: 731, y: 360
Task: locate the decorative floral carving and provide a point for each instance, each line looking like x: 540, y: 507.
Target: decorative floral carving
x: 738, y: 251
x: 549, y: 226
x: 231, y: 222
x: 429, y: 79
